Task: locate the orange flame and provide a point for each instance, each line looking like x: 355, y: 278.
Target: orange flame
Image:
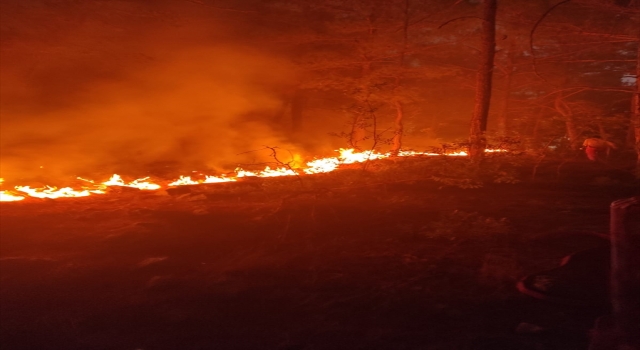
x: 316, y: 166
x: 6, y: 196
x: 52, y: 192
x: 141, y: 184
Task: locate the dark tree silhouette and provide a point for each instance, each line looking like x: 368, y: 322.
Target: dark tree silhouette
x: 477, y: 140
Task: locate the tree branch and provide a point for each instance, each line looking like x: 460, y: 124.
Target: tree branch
x: 533, y: 55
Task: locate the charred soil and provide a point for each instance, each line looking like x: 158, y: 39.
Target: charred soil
x: 342, y: 263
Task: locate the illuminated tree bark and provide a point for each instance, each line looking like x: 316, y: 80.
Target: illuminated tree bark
x: 363, y: 110
x: 396, y: 142
x: 503, y: 116
x: 535, y: 129
x: 635, y: 113
x: 477, y: 140
x: 289, y: 115
x: 297, y: 106
x: 569, y: 121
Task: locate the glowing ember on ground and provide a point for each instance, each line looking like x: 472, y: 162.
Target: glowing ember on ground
x: 316, y: 166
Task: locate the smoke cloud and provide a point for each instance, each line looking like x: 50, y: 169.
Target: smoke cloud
x: 98, y: 87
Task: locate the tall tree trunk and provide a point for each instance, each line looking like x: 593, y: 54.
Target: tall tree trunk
x: 635, y: 113
x: 503, y: 116
x: 601, y: 131
x: 279, y: 116
x: 396, y: 142
x: 297, y: 106
x: 359, y: 123
x: 569, y: 121
x: 358, y: 130
x: 535, y: 132
x: 477, y: 140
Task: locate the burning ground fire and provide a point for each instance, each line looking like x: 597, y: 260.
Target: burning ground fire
x: 316, y: 166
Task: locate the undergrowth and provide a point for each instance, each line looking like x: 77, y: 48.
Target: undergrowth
x: 461, y: 222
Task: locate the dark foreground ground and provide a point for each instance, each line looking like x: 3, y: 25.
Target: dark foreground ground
x: 263, y: 265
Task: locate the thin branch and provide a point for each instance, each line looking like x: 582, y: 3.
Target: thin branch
x: 455, y: 19
x: 202, y: 3
x: 434, y: 14
x: 591, y: 60
x: 533, y: 55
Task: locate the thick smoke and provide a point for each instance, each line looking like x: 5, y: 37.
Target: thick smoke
x: 97, y: 87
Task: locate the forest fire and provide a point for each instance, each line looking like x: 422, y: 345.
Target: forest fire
x: 304, y: 174
x: 6, y: 196
x: 316, y: 166
x: 141, y: 184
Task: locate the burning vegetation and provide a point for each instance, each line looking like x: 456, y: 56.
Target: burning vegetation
x: 316, y: 166
x: 141, y: 207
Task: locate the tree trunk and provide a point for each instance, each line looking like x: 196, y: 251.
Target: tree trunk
x: 601, y: 131
x: 569, y: 121
x: 297, y: 105
x: 535, y: 132
x: 396, y: 142
x: 477, y: 140
x: 636, y: 124
x: 503, y: 116
x: 359, y: 124
x: 635, y: 113
x: 358, y: 131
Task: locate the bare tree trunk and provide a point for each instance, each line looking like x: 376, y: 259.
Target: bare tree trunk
x: 477, y: 140
x: 358, y: 131
x: 359, y: 124
x: 569, y: 121
x: 503, y: 116
x: 279, y: 116
x: 297, y: 106
x: 396, y: 143
x: 635, y: 113
x: 601, y: 131
x: 535, y: 132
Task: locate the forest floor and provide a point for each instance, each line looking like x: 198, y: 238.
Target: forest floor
x: 354, y: 261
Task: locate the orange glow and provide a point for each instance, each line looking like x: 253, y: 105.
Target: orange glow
x: 316, y: 166
x: 186, y: 180
x: 52, y: 192
x: 267, y: 172
x: 216, y: 179
x: 6, y: 196
x: 349, y: 156
x: 141, y: 184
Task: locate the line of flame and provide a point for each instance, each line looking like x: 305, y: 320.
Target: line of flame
x: 316, y: 166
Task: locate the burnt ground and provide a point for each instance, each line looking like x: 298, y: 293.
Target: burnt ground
x: 351, y: 261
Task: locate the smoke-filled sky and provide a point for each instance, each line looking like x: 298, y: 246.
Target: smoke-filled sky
x: 95, y: 86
